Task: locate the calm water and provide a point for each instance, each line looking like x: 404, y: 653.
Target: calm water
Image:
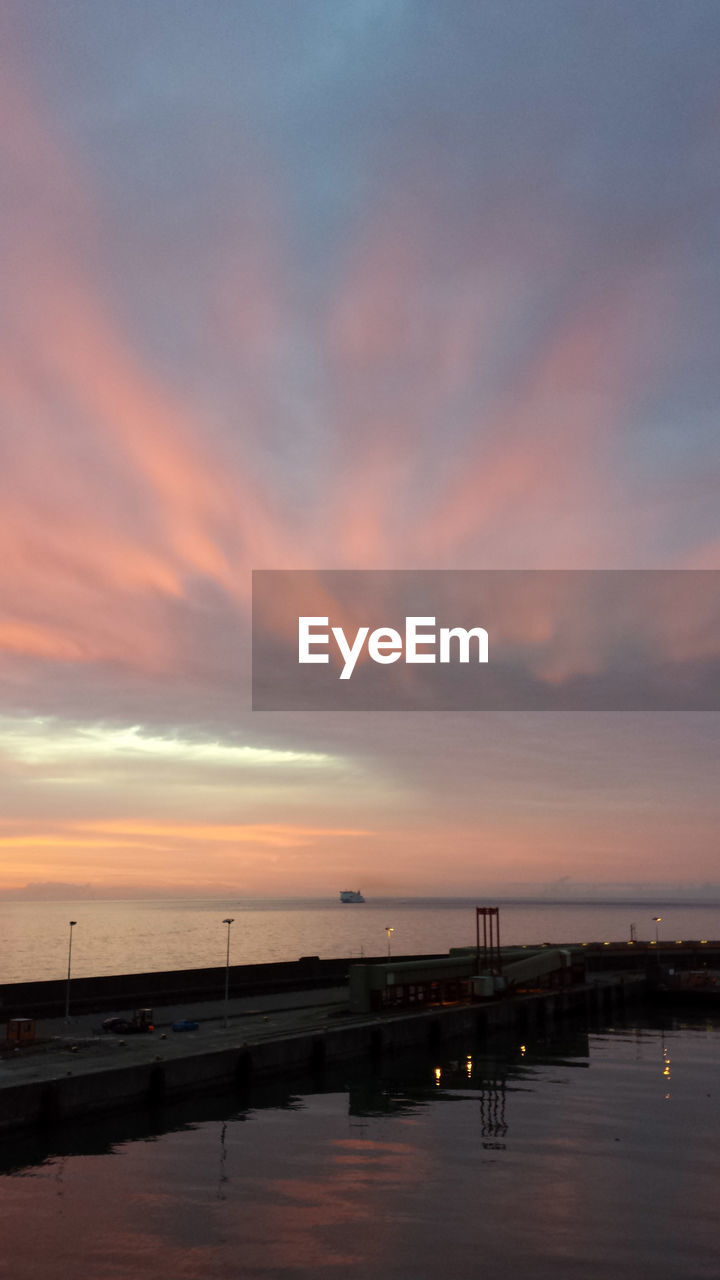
x: 574, y: 1158
x: 138, y: 937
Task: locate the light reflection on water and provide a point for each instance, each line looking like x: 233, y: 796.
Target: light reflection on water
x: 140, y: 937
x: 572, y: 1158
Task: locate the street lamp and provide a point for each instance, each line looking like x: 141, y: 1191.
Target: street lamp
x: 228, y: 921
x: 67, y: 988
x: 657, y: 920
x: 389, y: 930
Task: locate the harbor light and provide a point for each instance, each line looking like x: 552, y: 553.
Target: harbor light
x: 72, y: 924
x: 228, y: 921
x: 657, y: 920
x: 389, y: 931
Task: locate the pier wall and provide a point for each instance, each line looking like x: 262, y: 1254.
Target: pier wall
x: 130, y: 990
x: 137, y: 990
x: 60, y: 1099
x: 46, y: 999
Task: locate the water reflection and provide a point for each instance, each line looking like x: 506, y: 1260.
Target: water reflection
x: 405, y: 1084
x: 538, y: 1157
x: 223, y: 1176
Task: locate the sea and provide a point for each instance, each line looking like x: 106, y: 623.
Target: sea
x: 587, y: 1154
x: 131, y: 936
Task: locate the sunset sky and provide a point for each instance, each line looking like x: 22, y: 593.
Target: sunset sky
x: 351, y: 284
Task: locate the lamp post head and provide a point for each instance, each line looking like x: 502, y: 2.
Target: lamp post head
x: 72, y: 922
x: 229, y: 920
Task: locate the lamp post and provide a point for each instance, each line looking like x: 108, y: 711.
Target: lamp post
x: 67, y: 987
x: 657, y: 920
x: 389, y: 930
x: 228, y: 921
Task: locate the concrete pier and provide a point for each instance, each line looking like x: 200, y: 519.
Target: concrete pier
x: 87, y: 1074
x: 302, y: 1015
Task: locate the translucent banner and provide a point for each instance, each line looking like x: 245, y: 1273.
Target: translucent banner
x: 561, y: 640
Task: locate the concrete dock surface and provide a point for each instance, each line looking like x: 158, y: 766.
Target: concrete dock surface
x: 81, y: 1046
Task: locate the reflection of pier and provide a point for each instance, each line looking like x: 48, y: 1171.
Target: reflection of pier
x: 492, y: 1112
x: 482, y: 1077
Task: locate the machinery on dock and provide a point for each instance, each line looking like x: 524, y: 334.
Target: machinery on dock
x: 140, y: 1020
x: 442, y: 980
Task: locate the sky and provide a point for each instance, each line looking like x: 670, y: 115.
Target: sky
x: 345, y: 285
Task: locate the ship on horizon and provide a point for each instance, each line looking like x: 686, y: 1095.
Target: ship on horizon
x: 351, y: 895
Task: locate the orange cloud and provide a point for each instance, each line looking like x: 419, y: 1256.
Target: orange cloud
x: 119, y: 494
x: 148, y: 851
